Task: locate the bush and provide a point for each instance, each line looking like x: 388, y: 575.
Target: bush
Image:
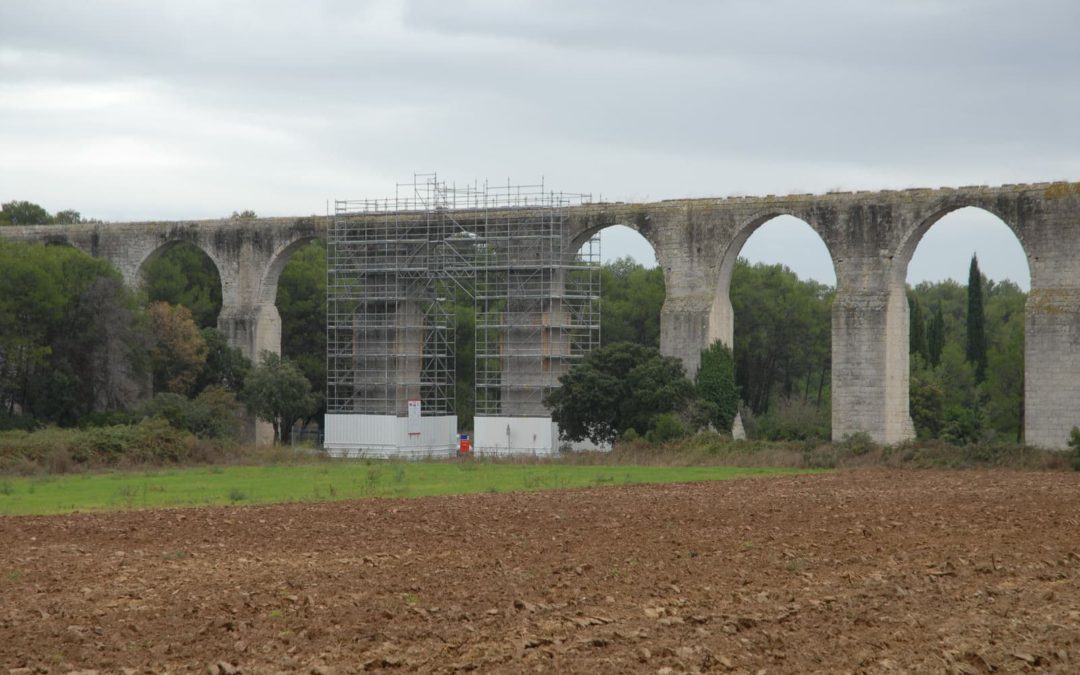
x: 858, y: 443
x: 19, y: 422
x: 63, y: 450
x: 715, y: 383
x: 665, y: 427
x: 793, y: 419
x: 215, y: 413
x: 110, y: 418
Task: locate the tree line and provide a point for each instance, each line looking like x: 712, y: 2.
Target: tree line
x: 966, y: 345
x: 967, y: 359
x: 79, y: 348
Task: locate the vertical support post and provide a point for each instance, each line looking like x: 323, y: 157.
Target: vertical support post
x: 687, y: 328
x: 1051, y: 365
x: 253, y: 329
x: 870, y: 360
x: 1051, y: 235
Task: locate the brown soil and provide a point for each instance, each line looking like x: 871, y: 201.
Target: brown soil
x: 860, y: 571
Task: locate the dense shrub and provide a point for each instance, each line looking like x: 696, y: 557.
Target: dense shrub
x: 665, y: 427
x: 214, y: 413
x: 61, y: 450
x: 792, y: 419
x: 16, y: 422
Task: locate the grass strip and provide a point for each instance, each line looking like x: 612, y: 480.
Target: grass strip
x: 324, y: 481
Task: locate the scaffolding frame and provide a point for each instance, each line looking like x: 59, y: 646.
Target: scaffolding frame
x: 536, y: 301
x: 390, y: 336
x: 394, y: 264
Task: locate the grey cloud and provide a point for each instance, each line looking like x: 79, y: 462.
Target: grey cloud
x: 631, y: 98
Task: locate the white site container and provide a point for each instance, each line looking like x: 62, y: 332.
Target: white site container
x: 389, y: 436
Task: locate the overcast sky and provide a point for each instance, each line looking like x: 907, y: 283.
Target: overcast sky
x: 133, y: 110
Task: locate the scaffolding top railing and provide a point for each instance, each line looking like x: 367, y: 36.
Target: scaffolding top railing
x: 426, y: 193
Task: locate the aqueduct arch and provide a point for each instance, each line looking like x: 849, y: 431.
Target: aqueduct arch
x: 906, y: 252
x: 722, y: 317
x: 870, y: 237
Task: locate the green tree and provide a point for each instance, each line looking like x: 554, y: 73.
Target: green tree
x: 276, y: 391
x: 71, y: 340
x: 630, y: 303
x: 927, y: 403
x: 782, y: 335
x: 1004, y: 384
x: 963, y: 416
x: 31, y: 302
x: 67, y: 217
x: 185, y: 275
x: 214, y: 413
x: 976, y: 322
x: 935, y: 337
x: 301, y: 302
x: 947, y: 401
x: 917, y: 343
x: 179, y: 350
x: 618, y: 387
x: 23, y: 213
x: 225, y: 366
x: 103, y: 344
x: 715, y: 382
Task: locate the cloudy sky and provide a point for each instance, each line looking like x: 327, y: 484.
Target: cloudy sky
x: 133, y: 110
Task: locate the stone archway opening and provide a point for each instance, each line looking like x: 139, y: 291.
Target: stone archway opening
x: 181, y: 273
x: 183, y: 290
x: 966, y: 348
x: 631, y: 288
x: 778, y: 282
x: 300, y: 299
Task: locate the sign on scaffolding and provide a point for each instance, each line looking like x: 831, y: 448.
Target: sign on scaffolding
x: 414, y: 417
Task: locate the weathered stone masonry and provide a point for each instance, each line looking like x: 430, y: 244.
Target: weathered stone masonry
x: 870, y: 236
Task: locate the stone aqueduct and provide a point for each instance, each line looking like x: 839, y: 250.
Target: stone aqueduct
x: 870, y: 236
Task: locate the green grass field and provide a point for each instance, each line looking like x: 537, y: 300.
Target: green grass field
x: 323, y: 481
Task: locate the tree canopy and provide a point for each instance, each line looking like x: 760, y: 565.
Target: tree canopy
x: 20, y: 212
x: 948, y: 400
x: 179, y: 350
x: 715, y: 382
x: 301, y: 302
x: 630, y: 302
x: 71, y: 342
x: 184, y: 275
x: 976, y: 322
x: 618, y: 387
x: 276, y: 391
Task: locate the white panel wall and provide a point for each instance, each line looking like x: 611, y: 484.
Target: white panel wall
x: 387, y: 436
x: 528, y: 436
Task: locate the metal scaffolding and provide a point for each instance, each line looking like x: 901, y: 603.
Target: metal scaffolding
x: 536, y: 301
x: 390, y: 335
x: 395, y: 267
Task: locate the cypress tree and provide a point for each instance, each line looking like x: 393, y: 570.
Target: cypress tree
x: 917, y: 330
x: 935, y: 337
x: 976, y: 322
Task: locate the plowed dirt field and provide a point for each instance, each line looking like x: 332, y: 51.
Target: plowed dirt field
x: 854, y: 571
